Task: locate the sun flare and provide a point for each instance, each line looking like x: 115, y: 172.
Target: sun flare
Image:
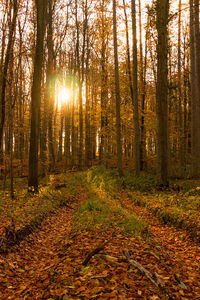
x: 63, y: 97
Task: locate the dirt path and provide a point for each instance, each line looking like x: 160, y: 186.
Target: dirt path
x: 48, y: 264
x: 26, y: 272
x: 173, y: 247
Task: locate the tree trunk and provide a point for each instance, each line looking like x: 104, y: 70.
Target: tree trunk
x: 136, y: 143
x: 5, y: 70
x: 162, y: 92
x: 117, y: 92
x: 41, y: 6
x: 195, y: 84
x: 181, y: 141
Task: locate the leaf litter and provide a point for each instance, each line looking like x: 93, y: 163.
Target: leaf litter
x: 49, y: 263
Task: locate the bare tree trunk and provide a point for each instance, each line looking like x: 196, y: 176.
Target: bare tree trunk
x: 5, y: 70
x: 67, y: 137
x: 136, y: 143
x: 11, y: 116
x: 78, y: 65
x: 117, y: 91
x: 181, y: 141
x: 195, y: 84
x: 87, y: 111
x: 41, y: 6
x: 50, y: 87
x: 104, y: 87
x: 162, y: 92
x: 60, y: 146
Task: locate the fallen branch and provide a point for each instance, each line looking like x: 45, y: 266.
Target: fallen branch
x: 109, y: 259
x: 95, y: 251
x: 153, y: 278
x: 180, y: 282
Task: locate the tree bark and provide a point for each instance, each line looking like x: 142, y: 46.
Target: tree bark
x: 195, y: 84
x: 136, y: 143
x: 5, y: 70
x: 41, y: 6
x: 117, y: 93
x: 162, y: 92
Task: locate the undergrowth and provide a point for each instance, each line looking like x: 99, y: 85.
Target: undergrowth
x: 103, y: 210
x: 29, y: 208
x: 99, y: 215
x: 178, y: 210
x: 179, y: 205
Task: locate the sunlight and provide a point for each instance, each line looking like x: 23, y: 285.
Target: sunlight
x: 63, y: 97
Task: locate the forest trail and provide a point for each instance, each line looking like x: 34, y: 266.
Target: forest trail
x: 173, y: 247
x: 27, y: 267
x: 48, y: 264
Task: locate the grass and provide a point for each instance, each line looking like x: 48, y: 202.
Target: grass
x: 103, y: 210
x: 177, y: 209
x: 179, y: 206
x: 29, y: 208
x: 99, y: 215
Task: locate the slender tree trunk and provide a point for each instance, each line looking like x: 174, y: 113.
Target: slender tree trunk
x: 11, y: 116
x: 50, y: 87
x: 136, y: 144
x: 117, y: 91
x: 181, y: 141
x: 128, y: 54
x: 41, y: 6
x: 143, y: 65
x: 162, y: 92
x: 5, y: 70
x: 195, y: 84
x: 60, y: 146
x: 185, y: 102
x: 74, y: 141
x: 67, y: 137
x: 78, y: 65
x: 87, y: 111
x: 104, y: 88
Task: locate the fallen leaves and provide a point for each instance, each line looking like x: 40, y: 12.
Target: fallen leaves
x: 48, y: 264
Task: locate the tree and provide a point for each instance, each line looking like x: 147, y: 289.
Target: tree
x: 5, y: 69
x: 195, y: 84
x: 136, y: 143
x: 162, y: 92
x: 104, y: 81
x: 117, y: 92
x: 41, y: 8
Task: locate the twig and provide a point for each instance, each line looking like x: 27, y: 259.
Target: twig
x: 95, y: 251
x: 153, y: 278
x: 109, y: 259
x: 180, y: 282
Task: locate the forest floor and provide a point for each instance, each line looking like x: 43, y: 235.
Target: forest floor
x: 50, y: 262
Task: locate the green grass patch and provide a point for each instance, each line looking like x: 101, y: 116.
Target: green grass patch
x: 29, y: 208
x: 179, y: 205
x: 108, y: 179
x: 176, y: 209
x: 102, y: 210
x: 99, y: 215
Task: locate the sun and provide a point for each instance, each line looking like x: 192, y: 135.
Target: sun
x: 64, y: 95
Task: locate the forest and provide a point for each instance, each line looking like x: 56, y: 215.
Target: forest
x: 99, y: 149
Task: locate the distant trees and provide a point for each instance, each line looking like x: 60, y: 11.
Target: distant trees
x: 119, y: 86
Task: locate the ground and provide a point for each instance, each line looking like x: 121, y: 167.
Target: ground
x: 48, y: 264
